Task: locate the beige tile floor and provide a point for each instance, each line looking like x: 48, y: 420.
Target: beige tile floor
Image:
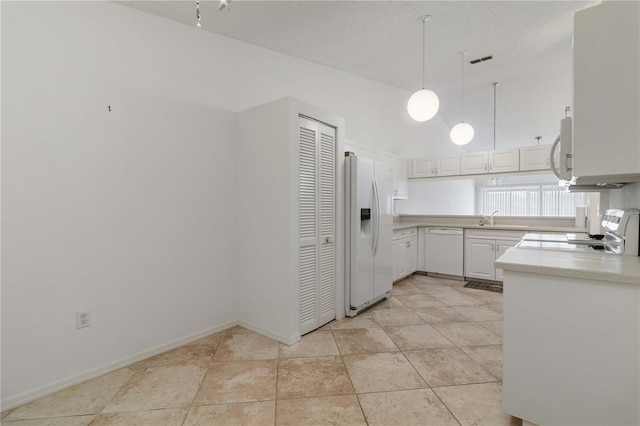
x: 429, y: 355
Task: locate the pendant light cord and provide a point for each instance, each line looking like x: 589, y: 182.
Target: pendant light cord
x: 424, y: 22
x: 462, y: 86
x: 424, y: 19
x: 495, y: 85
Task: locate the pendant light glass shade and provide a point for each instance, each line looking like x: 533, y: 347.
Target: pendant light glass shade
x: 462, y: 133
x: 423, y: 105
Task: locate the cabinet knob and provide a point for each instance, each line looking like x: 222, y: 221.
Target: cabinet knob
x: 408, y: 243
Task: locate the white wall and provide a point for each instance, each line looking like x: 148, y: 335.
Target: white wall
x: 527, y: 105
x: 439, y: 197
x: 124, y: 213
x: 129, y: 213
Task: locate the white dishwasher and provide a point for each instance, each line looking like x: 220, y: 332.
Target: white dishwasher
x: 444, y: 251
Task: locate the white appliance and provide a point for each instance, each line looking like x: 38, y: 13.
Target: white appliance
x: 369, y: 230
x: 564, y: 169
x: 444, y: 251
x: 622, y: 236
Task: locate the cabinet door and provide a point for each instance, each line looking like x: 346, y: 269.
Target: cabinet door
x: 423, y: 167
x: 399, y: 179
x: 474, y: 163
x: 506, y: 160
x: 403, y: 258
x: 412, y: 255
x: 501, y: 247
x: 479, y: 255
x: 327, y: 214
x: 535, y: 157
x: 606, y: 65
x: 394, y: 254
x: 448, y: 166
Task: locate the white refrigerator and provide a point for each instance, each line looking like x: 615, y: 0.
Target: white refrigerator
x: 369, y: 228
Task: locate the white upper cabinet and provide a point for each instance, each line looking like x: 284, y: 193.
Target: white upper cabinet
x: 399, y: 179
x: 423, y: 167
x: 477, y: 163
x: 535, y: 157
x: 606, y: 105
x: 448, y: 166
x: 504, y: 160
x: 435, y: 166
x: 474, y: 163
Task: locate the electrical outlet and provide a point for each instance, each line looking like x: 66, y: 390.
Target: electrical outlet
x: 83, y: 319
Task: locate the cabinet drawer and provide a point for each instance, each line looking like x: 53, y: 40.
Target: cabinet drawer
x: 495, y: 234
x: 404, y: 233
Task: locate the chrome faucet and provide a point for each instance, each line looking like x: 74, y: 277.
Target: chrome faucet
x: 489, y: 219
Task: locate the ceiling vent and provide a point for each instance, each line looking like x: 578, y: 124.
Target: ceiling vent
x: 486, y: 58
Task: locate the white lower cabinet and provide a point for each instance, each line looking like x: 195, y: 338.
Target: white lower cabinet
x: 501, y: 247
x: 479, y: 256
x: 482, y: 248
x: 405, y: 253
x: 564, y: 334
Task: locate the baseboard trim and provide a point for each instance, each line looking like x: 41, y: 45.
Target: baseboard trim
x: 445, y: 276
x: 42, y: 391
x: 287, y: 340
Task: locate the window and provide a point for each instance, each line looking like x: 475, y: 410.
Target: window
x: 529, y: 200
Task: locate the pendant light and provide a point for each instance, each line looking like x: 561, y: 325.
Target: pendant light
x: 222, y: 5
x: 462, y: 133
x: 423, y: 104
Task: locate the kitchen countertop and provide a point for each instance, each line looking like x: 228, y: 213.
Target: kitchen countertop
x: 526, y: 228
x: 592, y: 266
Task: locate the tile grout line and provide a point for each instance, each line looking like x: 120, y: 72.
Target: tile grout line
x: 353, y: 387
x: 193, y: 400
x: 275, y: 404
x: 455, y: 346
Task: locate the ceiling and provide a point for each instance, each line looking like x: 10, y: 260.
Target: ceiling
x: 382, y: 40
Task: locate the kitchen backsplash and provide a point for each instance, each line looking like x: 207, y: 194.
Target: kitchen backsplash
x: 626, y: 197
x: 462, y: 220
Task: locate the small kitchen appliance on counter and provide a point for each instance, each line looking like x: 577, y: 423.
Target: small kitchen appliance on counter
x: 622, y: 236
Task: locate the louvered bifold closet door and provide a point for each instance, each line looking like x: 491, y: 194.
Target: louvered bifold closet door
x: 316, y: 164
x: 308, y: 224
x: 327, y: 283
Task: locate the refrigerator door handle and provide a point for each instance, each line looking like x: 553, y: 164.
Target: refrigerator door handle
x: 377, y: 210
